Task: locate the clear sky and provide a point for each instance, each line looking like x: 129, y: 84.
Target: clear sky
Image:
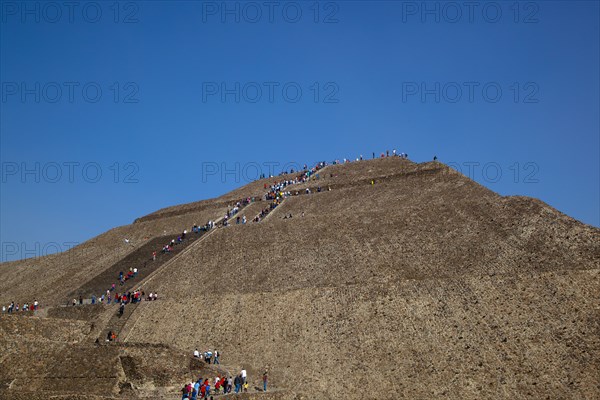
x: 111, y: 110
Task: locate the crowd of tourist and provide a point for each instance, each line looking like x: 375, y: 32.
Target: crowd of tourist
x: 113, y: 296
x: 276, y: 193
x: 231, y: 212
x: 205, y: 388
x: 15, y: 308
x: 208, y: 356
x: 383, y: 154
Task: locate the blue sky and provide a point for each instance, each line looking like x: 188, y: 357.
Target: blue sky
x: 111, y: 110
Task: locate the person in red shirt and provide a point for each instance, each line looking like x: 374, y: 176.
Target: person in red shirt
x: 185, y: 392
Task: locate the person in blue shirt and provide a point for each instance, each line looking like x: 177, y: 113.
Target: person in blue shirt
x: 196, y: 389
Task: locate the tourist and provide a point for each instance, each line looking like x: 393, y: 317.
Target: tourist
x: 265, y: 379
x: 185, y: 392
x: 224, y: 384
x: 203, y: 390
x: 237, y: 382
x: 207, y: 385
x: 217, y: 384
x: 196, y: 389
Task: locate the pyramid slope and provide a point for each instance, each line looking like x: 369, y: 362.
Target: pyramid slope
x: 420, y: 284
x: 52, y: 278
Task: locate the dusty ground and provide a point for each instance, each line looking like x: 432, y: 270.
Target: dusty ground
x: 422, y: 285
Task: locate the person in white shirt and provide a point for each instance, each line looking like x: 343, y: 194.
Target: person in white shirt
x: 243, y: 373
x: 196, y: 353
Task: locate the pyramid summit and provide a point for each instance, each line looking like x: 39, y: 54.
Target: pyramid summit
x: 378, y: 278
